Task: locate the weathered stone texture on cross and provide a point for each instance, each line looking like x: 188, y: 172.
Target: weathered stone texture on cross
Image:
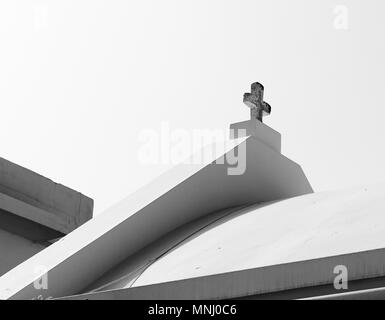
x: 254, y: 100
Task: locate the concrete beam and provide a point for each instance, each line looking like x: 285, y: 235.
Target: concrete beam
x: 39, y: 199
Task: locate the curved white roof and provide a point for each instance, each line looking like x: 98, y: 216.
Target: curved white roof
x: 302, y: 228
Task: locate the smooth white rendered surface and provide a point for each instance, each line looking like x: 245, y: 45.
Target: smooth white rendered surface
x: 258, y: 129
x: 184, y: 194
x: 313, y: 226
x: 306, y: 227
x: 284, y: 245
x: 256, y: 281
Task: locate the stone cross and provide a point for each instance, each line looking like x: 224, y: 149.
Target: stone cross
x: 254, y: 100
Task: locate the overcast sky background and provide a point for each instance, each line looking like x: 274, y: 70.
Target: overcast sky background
x: 79, y: 80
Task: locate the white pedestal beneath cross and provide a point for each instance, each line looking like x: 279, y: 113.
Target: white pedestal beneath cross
x: 258, y: 130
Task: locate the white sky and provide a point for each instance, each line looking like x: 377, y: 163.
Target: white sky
x: 79, y: 80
